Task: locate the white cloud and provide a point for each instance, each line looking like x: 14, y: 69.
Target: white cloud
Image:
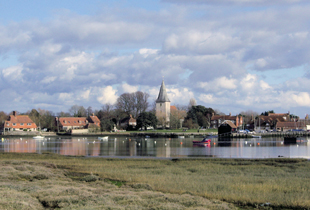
x: 179, y: 96
x: 107, y: 95
x: 48, y: 79
x: 66, y: 98
x: 222, y: 83
x: 90, y: 59
x: 129, y: 88
x: 13, y: 73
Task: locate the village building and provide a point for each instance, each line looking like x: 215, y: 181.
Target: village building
x: 163, y: 107
x: 19, y: 123
x: 270, y: 121
x: 291, y: 126
x: 128, y: 122
x: 226, y: 128
x: 217, y: 120
x: 91, y: 123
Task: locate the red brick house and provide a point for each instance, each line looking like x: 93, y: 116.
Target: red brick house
x: 270, y: 121
x: 19, y: 122
x: 71, y: 123
x: 217, y: 120
x: 287, y: 126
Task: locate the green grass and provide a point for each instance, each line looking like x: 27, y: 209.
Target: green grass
x: 264, y: 183
x: 176, y: 131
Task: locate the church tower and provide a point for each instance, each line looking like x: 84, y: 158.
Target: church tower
x: 163, y: 107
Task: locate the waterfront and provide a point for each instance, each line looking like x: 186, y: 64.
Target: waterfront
x: 122, y: 146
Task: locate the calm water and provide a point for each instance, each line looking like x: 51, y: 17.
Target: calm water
x: 159, y: 147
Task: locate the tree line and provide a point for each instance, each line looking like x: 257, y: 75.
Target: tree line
x: 131, y: 104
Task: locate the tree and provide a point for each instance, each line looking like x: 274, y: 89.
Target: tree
x: 34, y: 116
x: 267, y: 112
x: 89, y: 111
x: 192, y: 102
x: 146, y: 119
x: 106, y: 124
x: 200, y: 116
x: 3, y: 118
x: 78, y: 111
x: 43, y: 118
x: 249, y: 117
x: 176, y: 115
x: 63, y: 114
x: 132, y: 103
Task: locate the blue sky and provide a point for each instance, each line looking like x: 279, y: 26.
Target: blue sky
x: 230, y: 55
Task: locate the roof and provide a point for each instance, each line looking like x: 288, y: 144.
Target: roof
x: 279, y: 114
x: 92, y: 125
x: 73, y: 121
x: 173, y: 108
x: 230, y: 123
x: 128, y: 119
x: 94, y: 119
x: 162, y: 96
x: 291, y: 124
x: 271, y: 118
x: 25, y: 119
x: 223, y: 117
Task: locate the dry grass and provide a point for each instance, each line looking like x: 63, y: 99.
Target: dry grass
x: 32, y: 181
x: 157, y: 184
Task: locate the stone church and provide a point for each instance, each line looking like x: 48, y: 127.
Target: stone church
x: 163, y: 107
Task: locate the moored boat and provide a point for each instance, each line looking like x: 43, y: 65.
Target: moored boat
x: 103, y: 138
x: 38, y: 137
x: 204, y: 141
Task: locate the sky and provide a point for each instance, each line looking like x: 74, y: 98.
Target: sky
x: 230, y: 55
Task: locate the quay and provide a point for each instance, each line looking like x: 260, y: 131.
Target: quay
x: 264, y: 135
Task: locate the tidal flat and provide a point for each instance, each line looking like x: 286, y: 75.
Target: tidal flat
x: 51, y: 181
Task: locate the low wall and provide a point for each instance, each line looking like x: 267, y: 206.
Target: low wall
x: 21, y: 133
x: 79, y: 131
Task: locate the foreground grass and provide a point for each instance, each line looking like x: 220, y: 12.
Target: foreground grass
x: 88, y: 183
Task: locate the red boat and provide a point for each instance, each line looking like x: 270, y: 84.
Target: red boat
x: 204, y: 141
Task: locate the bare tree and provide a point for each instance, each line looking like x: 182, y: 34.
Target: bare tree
x: 3, y: 118
x: 78, y: 111
x: 176, y: 117
x: 192, y: 102
x: 141, y: 102
x: 89, y: 111
x: 132, y: 103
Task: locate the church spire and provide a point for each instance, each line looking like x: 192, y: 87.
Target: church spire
x: 162, y: 96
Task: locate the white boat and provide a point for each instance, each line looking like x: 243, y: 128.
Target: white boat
x: 253, y: 136
x: 103, y: 138
x: 38, y: 137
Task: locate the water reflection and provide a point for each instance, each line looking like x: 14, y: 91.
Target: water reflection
x: 159, y: 147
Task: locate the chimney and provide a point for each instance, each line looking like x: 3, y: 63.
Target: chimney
x: 229, y: 113
x: 14, y: 113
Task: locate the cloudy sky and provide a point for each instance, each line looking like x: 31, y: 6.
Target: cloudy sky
x: 230, y: 55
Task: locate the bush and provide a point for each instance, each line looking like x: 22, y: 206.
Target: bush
x: 89, y: 178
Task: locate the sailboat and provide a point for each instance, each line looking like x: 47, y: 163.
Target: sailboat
x: 39, y: 137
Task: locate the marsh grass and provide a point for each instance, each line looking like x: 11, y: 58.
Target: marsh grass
x: 265, y: 183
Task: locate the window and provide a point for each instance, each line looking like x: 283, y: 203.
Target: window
x: 14, y: 123
x: 28, y: 123
x: 74, y: 121
x: 68, y: 121
x: 8, y: 124
x: 21, y: 123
